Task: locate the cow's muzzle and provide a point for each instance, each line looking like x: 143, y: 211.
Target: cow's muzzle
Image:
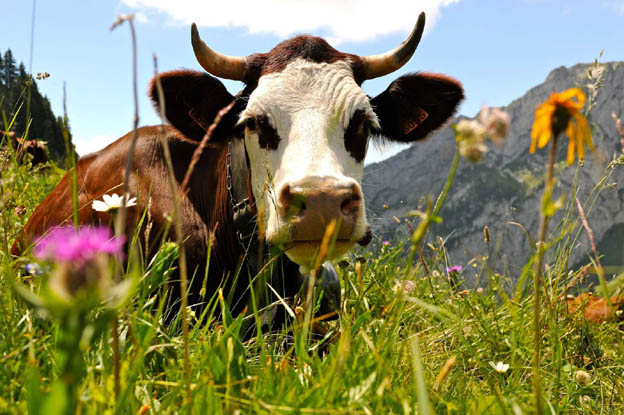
x: 310, y: 205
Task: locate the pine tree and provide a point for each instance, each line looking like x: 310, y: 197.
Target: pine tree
x: 3, y: 89
x: 9, y: 71
x: 14, y: 93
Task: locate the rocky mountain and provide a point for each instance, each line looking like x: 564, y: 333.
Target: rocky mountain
x: 507, y: 185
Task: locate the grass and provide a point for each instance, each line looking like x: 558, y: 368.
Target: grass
x: 407, y: 342
x: 410, y: 339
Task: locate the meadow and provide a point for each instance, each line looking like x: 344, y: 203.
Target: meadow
x: 411, y: 337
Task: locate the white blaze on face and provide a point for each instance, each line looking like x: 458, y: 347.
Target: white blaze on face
x: 310, y: 106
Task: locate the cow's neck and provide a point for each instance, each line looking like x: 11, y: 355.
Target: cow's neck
x: 241, y: 200
x: 239, y: 171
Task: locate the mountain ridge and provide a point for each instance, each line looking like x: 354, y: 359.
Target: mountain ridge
x: 507, y: 185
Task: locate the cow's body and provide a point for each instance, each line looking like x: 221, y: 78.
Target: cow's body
x: 302, y: 124
x: 203, y: 210
x: 35, y: 148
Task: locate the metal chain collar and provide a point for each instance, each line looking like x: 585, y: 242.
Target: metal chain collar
x: 241, y: 210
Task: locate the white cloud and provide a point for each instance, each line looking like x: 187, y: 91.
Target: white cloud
x: 619, y: 7
x: 141, y: 17
x: 338, y: 20
x: 616, y: 5
x: 89, y: 145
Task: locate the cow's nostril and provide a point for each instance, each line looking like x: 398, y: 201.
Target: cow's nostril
x: 298, y: 203
x: 351, y: 205
x: 292, y: 202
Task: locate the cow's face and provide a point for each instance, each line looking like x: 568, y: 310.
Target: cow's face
x: 307, y: 129
x: 307, y: 125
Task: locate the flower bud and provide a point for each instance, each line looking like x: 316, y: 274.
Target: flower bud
x: 472, y: 150
x: 496, y: 123
x: 582, y: 378
x: 470, y: 131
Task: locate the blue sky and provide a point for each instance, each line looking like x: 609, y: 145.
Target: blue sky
x: 497, y: 48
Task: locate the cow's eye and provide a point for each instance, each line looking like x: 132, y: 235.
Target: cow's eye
x: 267, y: 135
x: 250, y: 123
x: 356, y: 135
x: 367, y: 127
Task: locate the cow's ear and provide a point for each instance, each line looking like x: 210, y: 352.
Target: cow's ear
x: 192, y: 100
x: 414, y: 105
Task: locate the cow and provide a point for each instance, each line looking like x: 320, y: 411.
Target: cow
x: 21, y: 146
x: 288, y: 155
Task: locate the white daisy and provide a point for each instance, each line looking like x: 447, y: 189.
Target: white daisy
x: 112, y: 202
x: 500, y: 367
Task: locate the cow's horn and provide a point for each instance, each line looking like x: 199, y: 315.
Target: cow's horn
x: 385, y: 63
x: 222, y: 66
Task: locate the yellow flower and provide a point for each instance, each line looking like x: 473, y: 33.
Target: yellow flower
x: 561, y: 112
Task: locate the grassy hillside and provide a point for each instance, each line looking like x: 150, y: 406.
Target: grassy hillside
x: 409, y: 340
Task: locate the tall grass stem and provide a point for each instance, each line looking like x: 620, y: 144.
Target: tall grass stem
x: 537, y: 278
x: 179, y: 240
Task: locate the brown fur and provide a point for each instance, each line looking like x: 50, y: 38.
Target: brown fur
x: 205, y: 208
x: 312, y: 48
x: 36, y: 148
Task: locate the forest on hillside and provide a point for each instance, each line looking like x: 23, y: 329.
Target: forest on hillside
x: 21, y: 100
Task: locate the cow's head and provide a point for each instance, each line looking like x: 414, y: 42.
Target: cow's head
x: 307, y: 125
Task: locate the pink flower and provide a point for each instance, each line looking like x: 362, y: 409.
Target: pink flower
x: 409, y: 286
x: 496, y: 122
x: 386, y: 243
x: 66, y: 244
x: 454, y: 268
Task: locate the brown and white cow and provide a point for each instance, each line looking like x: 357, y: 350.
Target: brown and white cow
x: 302, y: 124
x: 37, y: 149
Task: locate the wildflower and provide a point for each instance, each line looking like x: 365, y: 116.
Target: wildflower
x: 582, y: 378
x: 409, y: 287
x: 496, y: 123
x: 562, y: 113
x: 20, y: 210
x: 68, y: 281
x: 81, y: 257
x: 33, y: 269
x: 500, y: 367
x: 66, y: 244
x: 403, y: 287
x: 454, y: 268
x: 112, y: 202
x: 470, y: 130
x: 472, y: 150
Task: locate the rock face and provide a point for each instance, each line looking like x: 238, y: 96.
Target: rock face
x: 507, y: 185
